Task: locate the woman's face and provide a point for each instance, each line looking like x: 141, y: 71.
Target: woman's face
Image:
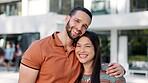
x: 84, y: 50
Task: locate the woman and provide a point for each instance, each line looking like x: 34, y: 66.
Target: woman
x: 88, y: 53
x: 9, y: 52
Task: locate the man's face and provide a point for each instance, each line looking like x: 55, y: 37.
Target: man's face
x: 77, y: 24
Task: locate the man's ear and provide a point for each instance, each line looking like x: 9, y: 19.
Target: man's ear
x: 67, y: 18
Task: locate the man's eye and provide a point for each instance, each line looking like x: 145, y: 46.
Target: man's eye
x: 84, y: 27
x: 77, y: 21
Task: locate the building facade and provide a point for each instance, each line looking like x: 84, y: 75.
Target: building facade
x: 121, y: 24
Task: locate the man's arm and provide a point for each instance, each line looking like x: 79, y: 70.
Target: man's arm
x: 27, y: 75
x: 116, y: 70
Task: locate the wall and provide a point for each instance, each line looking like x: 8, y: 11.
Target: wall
x: 138, y: 20
x: 35, y: 7
x: 45, y: 24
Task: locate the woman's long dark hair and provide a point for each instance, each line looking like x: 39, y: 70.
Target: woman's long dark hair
x: 95, y: 77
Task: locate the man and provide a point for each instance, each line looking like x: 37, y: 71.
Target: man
x: 52, y: 59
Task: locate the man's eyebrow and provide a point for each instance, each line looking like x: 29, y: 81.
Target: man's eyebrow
x: 78, y: 19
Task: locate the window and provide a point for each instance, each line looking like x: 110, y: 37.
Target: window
x: 139, y: 5
x: 2, y: 9
x: 100, y: 7
x: 55, y: 6
x: 10, y: 9
x: 104, y: 37
x: 137, y: 44
x: 64, y: 6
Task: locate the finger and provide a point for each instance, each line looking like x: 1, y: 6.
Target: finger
x: 111, y: 64
x: 112, y: 67
x: 115, y: 74
x: 120, y: 75
x: 109, y: 71
x: 119, y: 72
x: 118, y: 69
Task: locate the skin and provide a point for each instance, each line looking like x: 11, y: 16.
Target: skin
x: 85, y: 53
x: 76, y: 26
x: 113, y: 67
x: 85, y: 50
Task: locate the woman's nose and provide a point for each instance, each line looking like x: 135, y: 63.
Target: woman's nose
x: 82, y: 49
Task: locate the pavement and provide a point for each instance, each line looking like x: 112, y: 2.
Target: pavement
x: 8, y: 76
x: 136, y: 78
x: 12, y: 77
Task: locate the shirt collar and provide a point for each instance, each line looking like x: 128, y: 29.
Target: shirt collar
x: 58, y: 42
x: 56, y: 39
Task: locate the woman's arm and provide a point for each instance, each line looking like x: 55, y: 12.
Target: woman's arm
x: 27, y: 75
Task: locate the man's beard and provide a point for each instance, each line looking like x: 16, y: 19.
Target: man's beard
x: 68, y: 29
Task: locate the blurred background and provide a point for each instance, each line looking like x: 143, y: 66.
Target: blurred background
x: 122, y: 26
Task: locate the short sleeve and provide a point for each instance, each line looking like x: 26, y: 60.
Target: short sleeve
x: 32, y: 57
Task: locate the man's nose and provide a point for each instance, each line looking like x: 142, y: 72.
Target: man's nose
x: 79, y: 27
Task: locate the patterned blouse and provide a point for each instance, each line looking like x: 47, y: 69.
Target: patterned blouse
x: 104, y: 78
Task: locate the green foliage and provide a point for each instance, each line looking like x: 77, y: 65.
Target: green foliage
x: 1, y: 12
x: 137, y: 42
x: 138, y: 58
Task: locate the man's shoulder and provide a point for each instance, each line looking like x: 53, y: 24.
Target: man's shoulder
x: 40, y: 43
x: 43, y: 40
x: 48, y: 38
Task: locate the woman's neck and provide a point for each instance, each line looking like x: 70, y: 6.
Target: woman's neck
x: 88, y: 68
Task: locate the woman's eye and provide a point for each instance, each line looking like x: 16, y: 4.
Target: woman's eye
x: 77, y: 45
x: 88, y: 46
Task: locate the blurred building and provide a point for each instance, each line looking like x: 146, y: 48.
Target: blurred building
x: 121, y: 24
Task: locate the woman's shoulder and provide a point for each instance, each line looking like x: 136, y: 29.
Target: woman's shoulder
x: 104, y: 66
x: 105, y: 78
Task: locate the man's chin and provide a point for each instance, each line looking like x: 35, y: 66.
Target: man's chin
x: 74, y: 37
x: 77, y: 38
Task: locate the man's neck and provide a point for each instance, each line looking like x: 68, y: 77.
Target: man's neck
x: 66, y: 41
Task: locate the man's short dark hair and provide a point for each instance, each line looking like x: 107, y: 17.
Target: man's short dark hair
x: 80, y: 9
